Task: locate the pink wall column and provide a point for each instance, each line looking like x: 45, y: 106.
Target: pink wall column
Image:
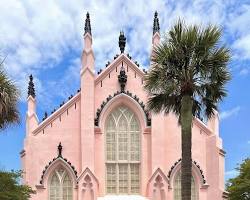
x: 87, y: 104
x: 31, y: 124
x: 158, y: 139
x: 213, y: 168
x: 100, y: 159
x: 145, y: 160
x: 31, y: 117
x: 155, y: 40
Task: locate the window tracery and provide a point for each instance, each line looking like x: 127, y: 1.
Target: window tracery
x: 60, y: 185
x: 122, y: 152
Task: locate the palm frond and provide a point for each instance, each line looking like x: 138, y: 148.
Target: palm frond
x: 190, y: 60
x: 9, y: 96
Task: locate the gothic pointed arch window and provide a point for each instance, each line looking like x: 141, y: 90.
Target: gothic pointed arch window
x: 60, y: 185
x: 177, y: 187
x: 122, y: 152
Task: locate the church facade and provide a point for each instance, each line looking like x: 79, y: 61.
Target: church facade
x: 103, y: 143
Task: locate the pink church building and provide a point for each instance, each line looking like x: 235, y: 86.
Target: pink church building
x: 104, y: 144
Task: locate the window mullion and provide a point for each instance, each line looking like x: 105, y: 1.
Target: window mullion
x: 117, y: 178
x: 117, y: 157
x: 61, y: 190
x: 129, y: 179
x: 129, y: 143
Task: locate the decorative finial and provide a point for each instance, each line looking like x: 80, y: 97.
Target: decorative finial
x: 59, y: 150
x: 31, y: 88
x: 156, y: 26
x: 122, y: 42
x: 87, y: 27
x: 45, y: 116
x: 122, y: 78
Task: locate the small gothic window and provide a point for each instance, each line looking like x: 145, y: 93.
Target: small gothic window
x: 177, y: 188
x: 60, y: 185
x: 122, y: 152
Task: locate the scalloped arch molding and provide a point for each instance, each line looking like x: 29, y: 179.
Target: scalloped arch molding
x: 104, y: 103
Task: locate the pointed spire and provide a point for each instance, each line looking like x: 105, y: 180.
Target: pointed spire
x: 59, y: 147
x: 87, y: 27
x: 156, y: 26
x: 122, y: 42
x: 31, y: 88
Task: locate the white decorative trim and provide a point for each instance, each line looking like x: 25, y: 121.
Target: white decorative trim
x: 31, y: 98
x: 87, y: 69
x: 87, y: 34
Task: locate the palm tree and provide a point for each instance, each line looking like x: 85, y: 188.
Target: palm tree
x: 9, y: 96
x: 187, y: 78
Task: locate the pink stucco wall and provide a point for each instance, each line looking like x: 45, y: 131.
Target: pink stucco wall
x: 84, y: 144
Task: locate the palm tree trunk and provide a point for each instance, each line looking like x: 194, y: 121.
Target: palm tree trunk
x: 186, y: 133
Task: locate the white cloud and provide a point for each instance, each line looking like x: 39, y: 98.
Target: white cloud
x: 67, y: 85
x: 231, y: 174
x: 37, y: 35
x: 238, y: 21
x: 242, y: 45
x: 228, y: 113
x: 244, y: 72
x: 238, y: 24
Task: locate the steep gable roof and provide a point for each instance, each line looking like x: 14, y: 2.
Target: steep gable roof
x: 122, y: 57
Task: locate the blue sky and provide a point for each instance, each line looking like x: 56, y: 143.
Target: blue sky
x: 45, y: 38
